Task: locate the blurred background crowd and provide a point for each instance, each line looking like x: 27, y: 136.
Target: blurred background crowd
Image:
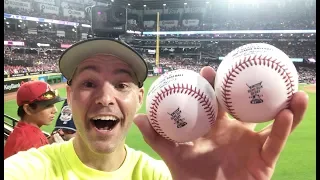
x: 37, y: 32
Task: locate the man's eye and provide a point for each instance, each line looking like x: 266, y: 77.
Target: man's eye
x: 88, y: 84
x: 122, y: 86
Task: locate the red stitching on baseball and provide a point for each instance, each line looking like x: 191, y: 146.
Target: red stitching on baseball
x: 185, y: 89
x: 228, y: 80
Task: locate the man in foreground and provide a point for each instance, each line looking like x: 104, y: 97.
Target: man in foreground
x: 105, y: 79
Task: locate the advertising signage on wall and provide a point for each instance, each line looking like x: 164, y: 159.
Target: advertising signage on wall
x: 17, y: 4
x: 49, y: 9
x: 65, y: 46
x: 14, y: 43
x: 36, y: 19
x: 13, y: 85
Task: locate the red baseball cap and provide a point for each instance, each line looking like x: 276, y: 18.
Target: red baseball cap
x: 38, y: 92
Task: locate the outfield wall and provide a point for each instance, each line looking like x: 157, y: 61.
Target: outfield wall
x: 12, y: 84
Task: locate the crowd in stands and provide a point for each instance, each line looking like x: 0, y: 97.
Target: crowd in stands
x: 28, y: 62
x: 233, y: 36
x: 306, y: 74
x: 294, y: 49
x: 243, y: 25
x: 11, y: 69
x: 49, y: 62
x: 306, y: 22
x: 293, y: 16
x: 32, y: 39
x: 183, y: 63
x: 17, y: 63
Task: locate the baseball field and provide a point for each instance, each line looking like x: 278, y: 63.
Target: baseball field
x: 297, y: 161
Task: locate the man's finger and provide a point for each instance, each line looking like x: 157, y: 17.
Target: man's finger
x: 298, y: 106
x: 275, y: 142
x: 209, y: 74
x: 156, y: 141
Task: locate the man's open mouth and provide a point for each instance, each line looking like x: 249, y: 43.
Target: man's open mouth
x: 105, y: 122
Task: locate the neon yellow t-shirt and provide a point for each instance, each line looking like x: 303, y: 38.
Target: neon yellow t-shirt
x: 59, y: 161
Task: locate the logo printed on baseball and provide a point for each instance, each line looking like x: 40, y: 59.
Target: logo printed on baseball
x: 255, y: 81
x: 176, y: 117
x: 256, y: 96
x: 181, y: 106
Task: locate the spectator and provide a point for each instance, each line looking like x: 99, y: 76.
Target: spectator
x: 65, y: 123
x: 36, y: 101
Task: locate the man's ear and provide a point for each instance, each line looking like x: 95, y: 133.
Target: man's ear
x: 68, y: 88
x: 27, y: 109
x: 140, y: 96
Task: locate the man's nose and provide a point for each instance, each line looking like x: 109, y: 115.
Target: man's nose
x: 105, y: 96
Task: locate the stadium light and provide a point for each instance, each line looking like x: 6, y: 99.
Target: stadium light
x: 129, y: 4
x: 185, y: 3
x: 144, y: 5
x: 164, y: 4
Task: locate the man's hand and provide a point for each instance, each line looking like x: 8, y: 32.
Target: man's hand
x: 56, y: 137
x: 232, y: 149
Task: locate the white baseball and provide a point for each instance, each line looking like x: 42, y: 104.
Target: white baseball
x: 181, y: 105
x: 255, y: 81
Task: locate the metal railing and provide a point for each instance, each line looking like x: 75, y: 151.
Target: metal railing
x: 8, y: 127
x: 13, y: 120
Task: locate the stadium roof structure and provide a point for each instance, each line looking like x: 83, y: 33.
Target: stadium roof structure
x: 158, y: 4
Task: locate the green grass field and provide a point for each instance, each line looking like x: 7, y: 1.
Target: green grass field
x: 297, y: 161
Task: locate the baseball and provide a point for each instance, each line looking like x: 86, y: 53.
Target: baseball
x: 181, y: 106
x: 255, y: 82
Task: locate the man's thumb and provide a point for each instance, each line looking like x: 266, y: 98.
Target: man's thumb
x: 151, y: 137
x: 149, y: 134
